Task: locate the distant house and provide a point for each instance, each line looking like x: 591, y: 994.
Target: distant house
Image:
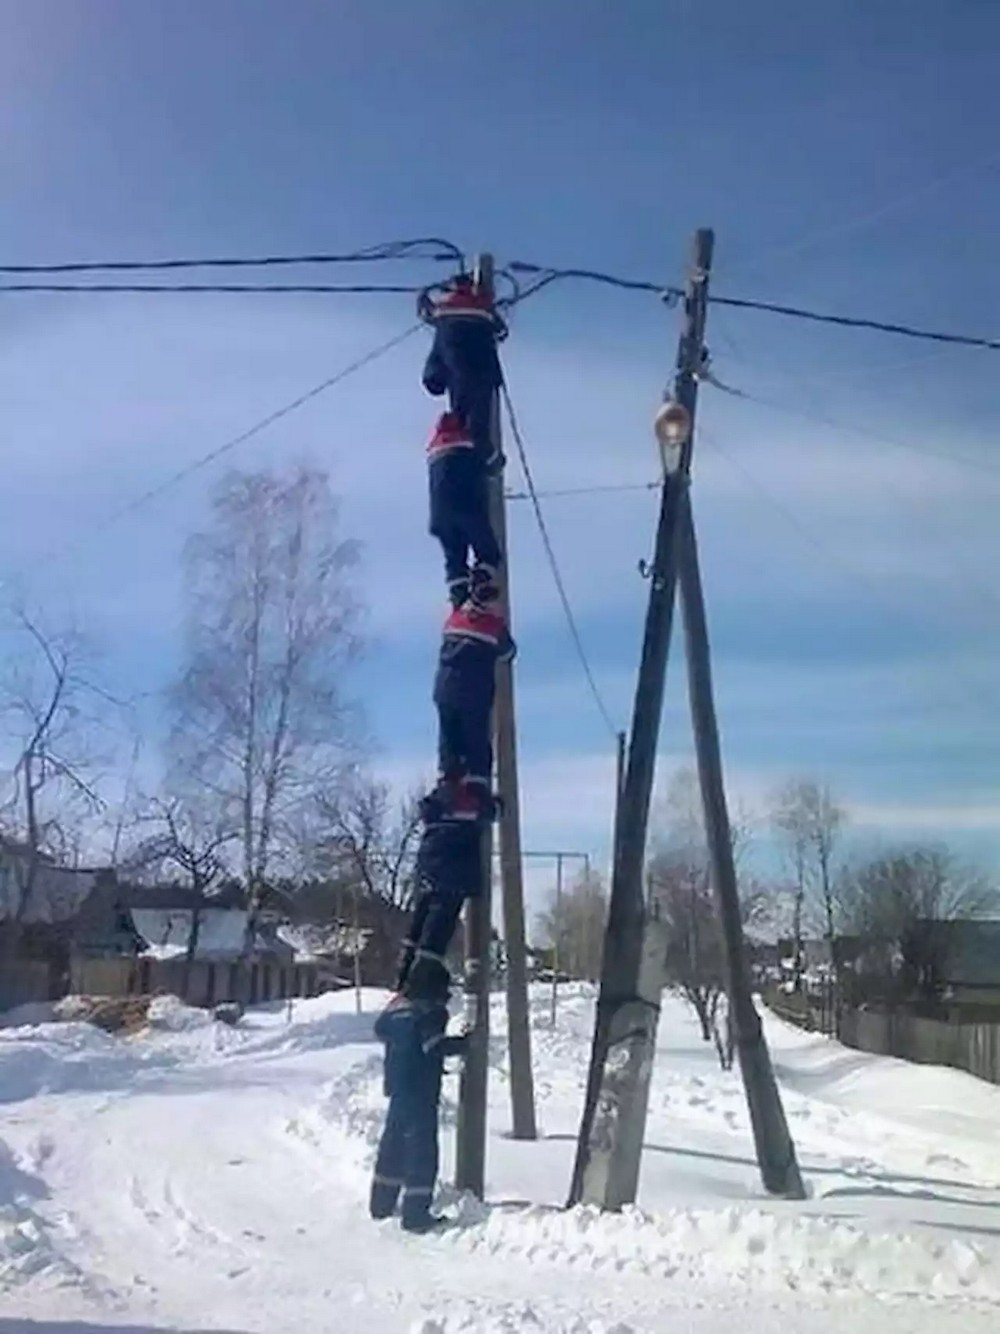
x: 166, y: 933
x: 70, y: 913
x: 971, y: 961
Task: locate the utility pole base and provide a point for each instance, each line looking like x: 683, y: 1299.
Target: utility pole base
x: 779, y: 1169
x: 626, y: 1033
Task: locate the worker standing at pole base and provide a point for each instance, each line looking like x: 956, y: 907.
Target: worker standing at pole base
x: 474, y: 638
x: 413, y: 1028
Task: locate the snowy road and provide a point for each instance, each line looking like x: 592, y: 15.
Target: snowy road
x: 202, y: 1178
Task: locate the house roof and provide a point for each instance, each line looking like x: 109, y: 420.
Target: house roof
x: 166, y: 932
x: 172, y: 897
x: 323, y: 942
x: 56, y: 896
x: 973, y: 957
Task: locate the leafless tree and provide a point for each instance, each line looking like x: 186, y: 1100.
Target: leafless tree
x: 368, y: 853
x: 261, y: 718
x: 680, y: 884
x: 179, y: 839
x: 899, y: 906
x: 809, y: 822
x: 49, y: 708
x: 572, y: 925
x: 370, y: 840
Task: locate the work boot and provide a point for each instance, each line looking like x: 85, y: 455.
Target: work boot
x: 484, y: 586
x: 383, y: 1198
x: 475, y: 801
x: 421, y: 1224
x: 459, y: 591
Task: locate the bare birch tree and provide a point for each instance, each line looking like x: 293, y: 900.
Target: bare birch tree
x: 261, y: 718
x: 48, y: 709
x: 809, y: 822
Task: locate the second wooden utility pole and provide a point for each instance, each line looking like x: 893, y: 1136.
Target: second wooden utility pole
x: 609, y: 1147
x: 470, y: 1146
x: 610, y: 1144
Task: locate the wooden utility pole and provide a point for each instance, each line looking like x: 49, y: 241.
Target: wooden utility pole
x: 606, y: 1171
x: 555, y: 941
x: 610, y: 1145
x: 470, y: 1149
x: 775, y: 1149
x: 522, y: 1084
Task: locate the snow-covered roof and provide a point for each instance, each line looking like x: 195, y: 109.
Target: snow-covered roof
x: 314, y: 942
x: 56, y: 896
x: 166, y: 932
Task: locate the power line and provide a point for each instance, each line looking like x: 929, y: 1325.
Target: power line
x: 604, y: 489
x: 235, y: 441
x: 574, y: 630
x: 858, y: 221
x: 548, y: 274
x: 862, y: 432
x: 436, y: 250
x: 216, y: 288
x: 857, y: 322
x: 672, y: 294
x: 545, y: 276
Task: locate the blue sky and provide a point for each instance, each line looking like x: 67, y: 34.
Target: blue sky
x: 846, y: 154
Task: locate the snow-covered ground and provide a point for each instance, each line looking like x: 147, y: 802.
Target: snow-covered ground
x: 203, y: 1178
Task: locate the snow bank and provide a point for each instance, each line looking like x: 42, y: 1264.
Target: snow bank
x: 31, y: 1014
x: 774, y: 1248
x: 721, y: 1246
x: 26, y: 1247
x: 512, y: 1318
x: 66, y: 1058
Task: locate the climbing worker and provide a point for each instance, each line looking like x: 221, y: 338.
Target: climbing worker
x: 463, y: 359
x: 413, y: 1028
x: 474, y: 638
x: 449, y: 870
x: 458, y: 474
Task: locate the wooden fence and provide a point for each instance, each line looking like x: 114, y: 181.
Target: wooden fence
x: 25, y: 981
x: 206, y: 985
x: 974, y: 1048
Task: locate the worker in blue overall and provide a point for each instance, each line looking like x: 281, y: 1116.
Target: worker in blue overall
x: 463, y: 363
x: 473, y: 639
x: 413, y: 1029
x: 449, y: 869
x: 458, y: 476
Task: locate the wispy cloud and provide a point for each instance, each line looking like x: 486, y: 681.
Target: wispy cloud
x: 844, y: 637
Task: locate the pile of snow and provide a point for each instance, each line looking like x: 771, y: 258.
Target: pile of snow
x: 170, y: 1014
x: 72, y: 1007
